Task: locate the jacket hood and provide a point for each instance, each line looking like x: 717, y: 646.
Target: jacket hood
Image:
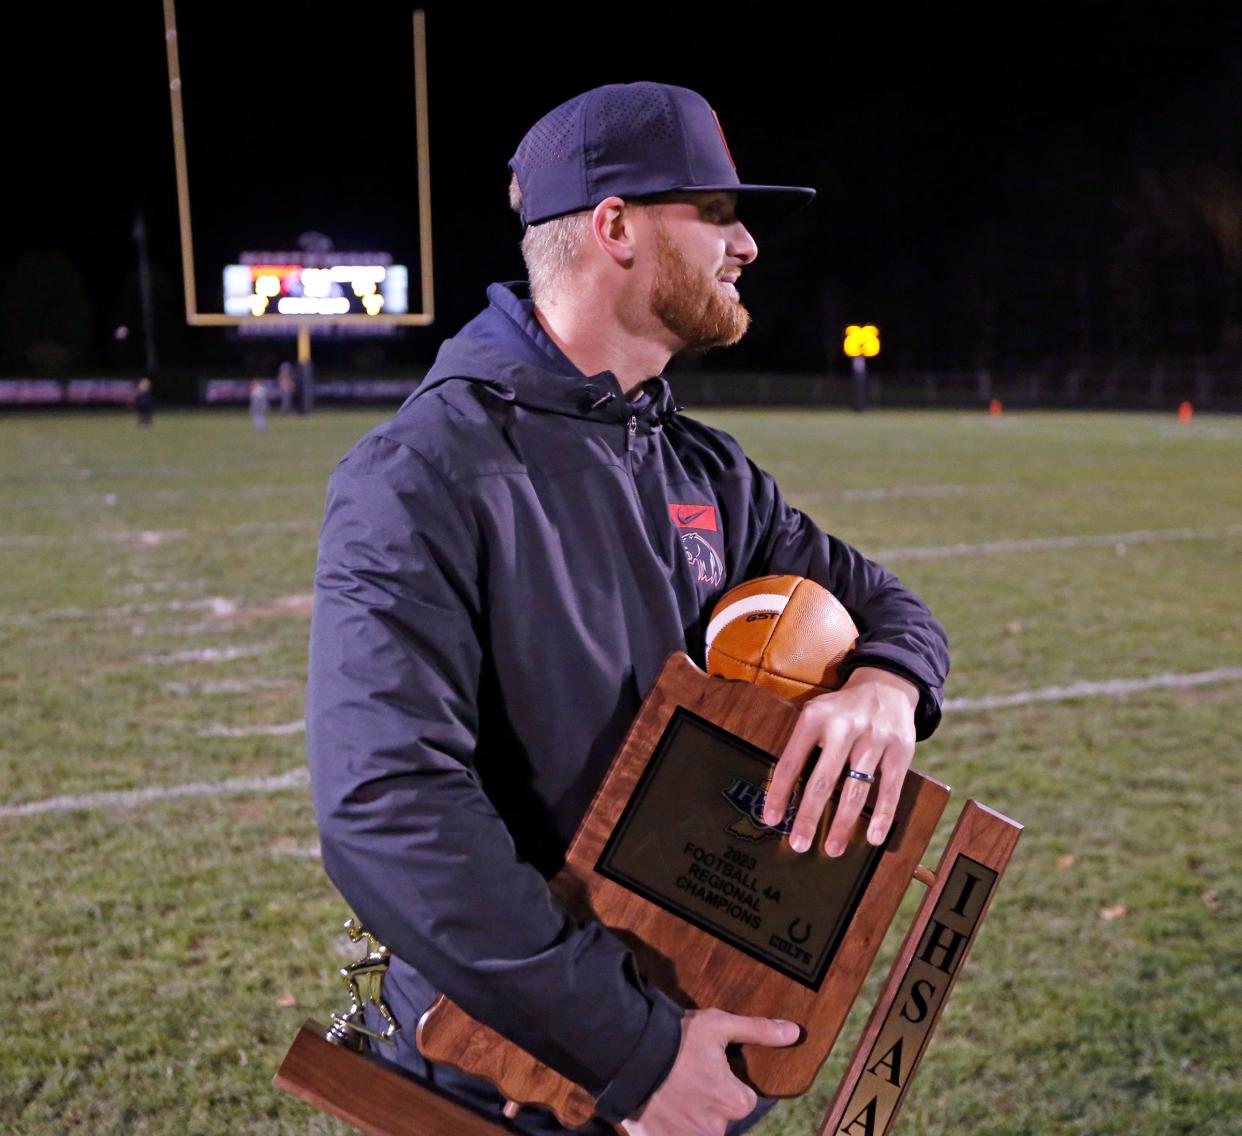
x: 506, y: 349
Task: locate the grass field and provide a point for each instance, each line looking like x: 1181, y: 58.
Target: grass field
x: 160, y: 953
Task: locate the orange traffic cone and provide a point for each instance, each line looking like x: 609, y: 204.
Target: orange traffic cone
x: 994, y: 407
x: 1185, y: 412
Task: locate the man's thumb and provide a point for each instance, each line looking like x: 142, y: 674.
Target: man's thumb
x: 760, y: 1031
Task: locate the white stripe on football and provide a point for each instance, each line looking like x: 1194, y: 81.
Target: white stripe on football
x: 739, y: 609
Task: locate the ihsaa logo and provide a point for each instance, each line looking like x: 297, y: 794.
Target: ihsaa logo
x: 748, y: 800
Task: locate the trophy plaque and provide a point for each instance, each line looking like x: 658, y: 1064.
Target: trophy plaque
x: 721, y: 912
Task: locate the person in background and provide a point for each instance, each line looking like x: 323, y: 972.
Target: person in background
x: 144, y: 402
x: 258, y: 404
x: 285, y: 384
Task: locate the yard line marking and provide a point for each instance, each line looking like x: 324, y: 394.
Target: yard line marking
x: 1112, y: 687
x: 297, y: 852
x: 87, y: 501
x: 299, y: 608
x: 1049, y: 543
x: 147, y: 537
x: 142, y: 589
x: 253, y: 731
x: 1194, y: 433
x: 883, y: 492
x: 153, y: 537
x: 226, y: 686
x: 218, y: 607
x: 206, y: 655
x: 297, y: 778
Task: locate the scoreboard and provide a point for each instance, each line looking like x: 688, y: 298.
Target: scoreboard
x: 268, y: 285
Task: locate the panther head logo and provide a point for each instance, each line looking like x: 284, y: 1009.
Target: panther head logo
x: 704, y: 560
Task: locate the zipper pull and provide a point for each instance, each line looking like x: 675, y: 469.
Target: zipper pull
x: 631, y: 429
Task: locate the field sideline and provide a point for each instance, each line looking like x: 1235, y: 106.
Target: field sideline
x: 168, y: 941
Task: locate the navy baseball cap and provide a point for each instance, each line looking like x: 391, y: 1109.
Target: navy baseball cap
x: 632, y: 140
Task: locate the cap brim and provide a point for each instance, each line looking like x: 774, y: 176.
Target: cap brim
x: 764, y: 202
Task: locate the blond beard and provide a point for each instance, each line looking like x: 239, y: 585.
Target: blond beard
x: 692, y: 303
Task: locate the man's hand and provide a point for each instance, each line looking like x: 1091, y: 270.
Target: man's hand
x: 701, y: 1095
x: 868, y: 726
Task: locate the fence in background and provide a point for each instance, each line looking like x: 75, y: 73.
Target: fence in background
x: 1138, y: 387
x: 67, y: 392
x: 1142, y: 385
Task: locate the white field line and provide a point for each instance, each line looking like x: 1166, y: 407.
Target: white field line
x: 205, y: 655
x: 218, y: 607
x: 1052, y: 543
x: 1195, y: 433
x: 298, y: 606
x: 142, y: 589
x: 1114, y: 687
x: 153, y: 537
x: 1110, y: 687
x: 226, y: 686
x: 884, y: 492
x: 297, y: 852
x: 297, y: 778
x: 253, y: 731
x: 127, y: 494
x: 222, y: 607
x: 149, y: 538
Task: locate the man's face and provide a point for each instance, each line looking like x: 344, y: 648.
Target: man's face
x: 701, y: 247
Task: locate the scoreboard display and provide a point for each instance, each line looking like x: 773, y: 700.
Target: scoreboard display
x: 293, y: 284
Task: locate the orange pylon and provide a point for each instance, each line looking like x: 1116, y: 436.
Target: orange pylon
x: 994, y: 407
x: 1185, y: 412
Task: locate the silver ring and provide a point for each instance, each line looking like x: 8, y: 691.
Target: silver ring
x: 859, y: 775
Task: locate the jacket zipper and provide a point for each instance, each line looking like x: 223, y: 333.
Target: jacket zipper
x: 631, y: 431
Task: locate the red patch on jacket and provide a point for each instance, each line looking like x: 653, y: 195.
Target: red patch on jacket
x: 694, y: 517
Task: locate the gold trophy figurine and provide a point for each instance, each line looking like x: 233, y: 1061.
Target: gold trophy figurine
x: 365, y: 979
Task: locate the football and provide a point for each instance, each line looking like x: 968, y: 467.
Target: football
x: 786, y: 633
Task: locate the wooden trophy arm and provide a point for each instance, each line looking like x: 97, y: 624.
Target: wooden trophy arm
x: 447, y: 1034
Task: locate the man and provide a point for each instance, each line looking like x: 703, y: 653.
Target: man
x: 504, y: 567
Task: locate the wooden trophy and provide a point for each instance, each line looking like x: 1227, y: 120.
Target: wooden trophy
x: 673, y: 857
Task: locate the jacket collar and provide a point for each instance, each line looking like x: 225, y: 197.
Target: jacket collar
x: 506, y: 349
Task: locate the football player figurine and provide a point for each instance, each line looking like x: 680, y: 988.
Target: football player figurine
x: 365, y: 979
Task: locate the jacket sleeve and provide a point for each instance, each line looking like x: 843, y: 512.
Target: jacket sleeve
x: 408, y: 835
x: 897, y: 632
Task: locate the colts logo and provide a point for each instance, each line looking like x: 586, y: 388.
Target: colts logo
x: 748, y: 800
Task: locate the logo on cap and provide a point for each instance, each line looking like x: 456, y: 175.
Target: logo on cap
x: 724, y: 141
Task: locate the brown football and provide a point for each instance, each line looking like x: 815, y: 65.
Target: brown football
x: 786, y: 633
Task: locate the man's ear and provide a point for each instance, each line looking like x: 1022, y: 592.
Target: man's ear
x: 612, y: 227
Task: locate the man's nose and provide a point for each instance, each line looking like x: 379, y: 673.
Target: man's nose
x: 741, y: 246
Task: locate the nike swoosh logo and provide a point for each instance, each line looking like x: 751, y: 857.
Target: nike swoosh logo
x: 684, y: 518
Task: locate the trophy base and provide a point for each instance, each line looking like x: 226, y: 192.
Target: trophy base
x: 373, y: 1095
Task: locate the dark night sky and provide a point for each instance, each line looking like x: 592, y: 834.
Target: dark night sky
x: 938, y: 136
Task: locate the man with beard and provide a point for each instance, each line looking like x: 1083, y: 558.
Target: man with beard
x: 504, y: 567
